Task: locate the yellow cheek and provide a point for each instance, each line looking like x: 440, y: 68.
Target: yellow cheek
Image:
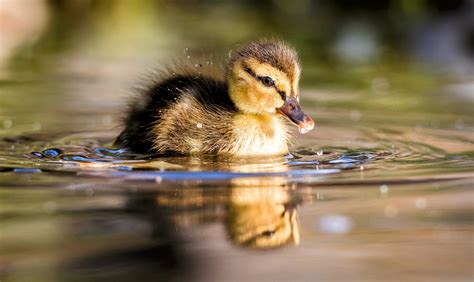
x: 270, y: 101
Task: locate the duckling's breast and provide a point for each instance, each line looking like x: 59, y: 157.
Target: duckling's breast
x: 259, y: 135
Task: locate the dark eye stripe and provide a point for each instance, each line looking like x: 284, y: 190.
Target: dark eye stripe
x: 252, y: 73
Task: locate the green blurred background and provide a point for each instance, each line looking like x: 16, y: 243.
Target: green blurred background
x: 377, y: 56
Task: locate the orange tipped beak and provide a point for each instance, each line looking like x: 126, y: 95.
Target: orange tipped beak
x: 292, y: 110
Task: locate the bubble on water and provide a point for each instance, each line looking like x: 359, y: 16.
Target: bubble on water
x: 303, y: 130
x: 335, y: 223
x: 391, y: 211
x: 199, y: 125
x: 7, y: 123
x: 421, y: 203
x: 384, y: 189
x: 320, y: 153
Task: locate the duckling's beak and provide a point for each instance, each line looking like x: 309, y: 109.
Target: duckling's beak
x: 292, y: 110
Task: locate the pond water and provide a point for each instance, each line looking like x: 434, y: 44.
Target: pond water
x: 380, y: 190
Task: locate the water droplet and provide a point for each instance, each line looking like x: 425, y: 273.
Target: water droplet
x: 189, y: 57
x: 320, y: 153
x: 199, y: 125
x: 384, y: 189
x: 303, y: 130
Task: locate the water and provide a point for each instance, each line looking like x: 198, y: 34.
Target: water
x: 381, y: 189
x: 371, y: 201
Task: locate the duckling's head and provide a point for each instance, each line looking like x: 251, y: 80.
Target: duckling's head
x: 263, y: 77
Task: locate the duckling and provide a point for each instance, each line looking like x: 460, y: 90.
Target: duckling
x: 187, y: 112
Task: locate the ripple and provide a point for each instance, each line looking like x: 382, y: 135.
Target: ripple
x: 86, y: 153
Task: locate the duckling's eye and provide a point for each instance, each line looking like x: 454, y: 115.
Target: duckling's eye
x: 267, y: 81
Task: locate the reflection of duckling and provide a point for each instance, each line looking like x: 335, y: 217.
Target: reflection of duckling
x: 189, y: 112
x: 256, y: 217
x: 262, y: 217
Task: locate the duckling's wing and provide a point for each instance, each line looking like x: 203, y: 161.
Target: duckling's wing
x: 145, y: 112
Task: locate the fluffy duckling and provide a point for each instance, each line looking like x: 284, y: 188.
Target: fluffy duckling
x: 243, y: 115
